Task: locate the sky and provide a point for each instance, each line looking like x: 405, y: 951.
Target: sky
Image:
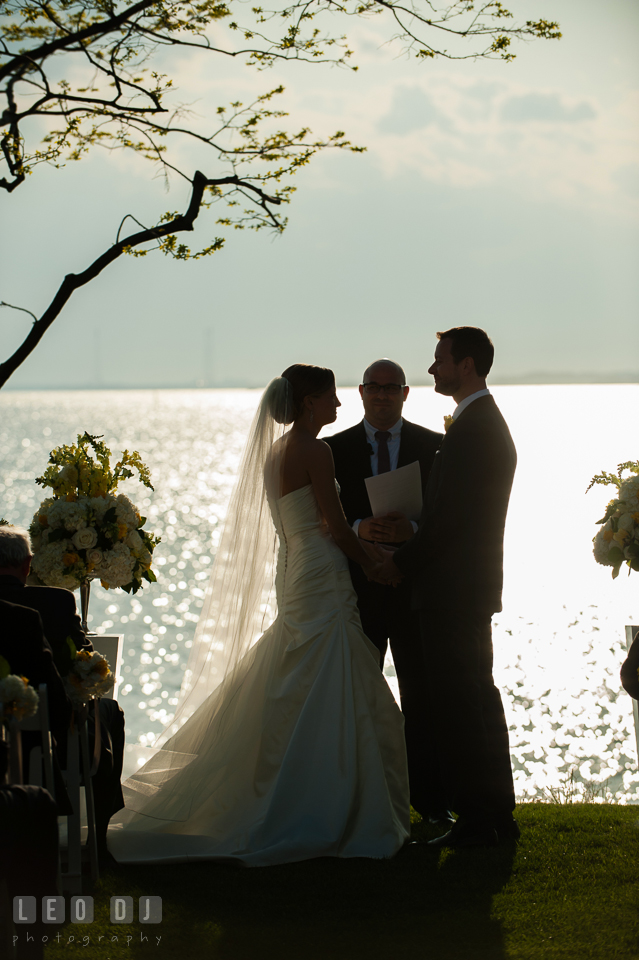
x: 499, y: 195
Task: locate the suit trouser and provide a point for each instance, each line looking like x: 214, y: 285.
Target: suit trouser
x: 386, y: 616
x: 107, y: 788
x: 472, y: 750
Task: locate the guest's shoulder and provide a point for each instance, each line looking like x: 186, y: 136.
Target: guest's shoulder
x: 53, y: 596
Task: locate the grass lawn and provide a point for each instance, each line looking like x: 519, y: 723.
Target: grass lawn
x: 568, y: 889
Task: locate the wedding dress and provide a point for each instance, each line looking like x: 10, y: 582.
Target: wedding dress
x: 299, y: 751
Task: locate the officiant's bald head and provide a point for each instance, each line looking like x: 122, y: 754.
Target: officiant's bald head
x: 389, y: 366
x: 383, y: 391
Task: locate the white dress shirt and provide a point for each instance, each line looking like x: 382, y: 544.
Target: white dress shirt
x: 467, y: 402
x: 393, y: 453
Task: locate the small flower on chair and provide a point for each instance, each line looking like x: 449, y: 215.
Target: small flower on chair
x: 17, y: 698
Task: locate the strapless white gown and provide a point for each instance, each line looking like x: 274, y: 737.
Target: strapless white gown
x: 313, y: 763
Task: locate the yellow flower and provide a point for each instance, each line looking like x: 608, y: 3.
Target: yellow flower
x: 83, y: 655
x: 448, y: 422
x: 122, y: 531
x: 43, y: 520
x: 621, y: 535
x: 104, y: 584
x: 608, y: 535
x: 102, y: 668
x: 69, y: 559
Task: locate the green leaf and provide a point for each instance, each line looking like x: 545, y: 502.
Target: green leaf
x: 5, y: 669
x: 72, y: 648
x: 616, y: 555
x: 612, y: 507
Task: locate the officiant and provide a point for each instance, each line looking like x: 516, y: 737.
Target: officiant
x: 385, y: 441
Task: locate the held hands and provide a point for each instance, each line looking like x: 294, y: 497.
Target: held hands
x: 383, y: 570
x: 393, y: 528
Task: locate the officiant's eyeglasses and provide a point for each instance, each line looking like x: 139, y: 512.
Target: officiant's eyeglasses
x: 391, y: 389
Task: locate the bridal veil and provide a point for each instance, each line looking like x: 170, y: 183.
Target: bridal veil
x: 238, y: 606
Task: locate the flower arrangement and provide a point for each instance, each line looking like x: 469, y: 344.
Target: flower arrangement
x: 89, y: 675
x: 617, y: 540
x: 18, y: 699
x: 86, y: 530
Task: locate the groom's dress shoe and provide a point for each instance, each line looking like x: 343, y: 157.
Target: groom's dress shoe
x: 467, y: 834
x: 443, y: 817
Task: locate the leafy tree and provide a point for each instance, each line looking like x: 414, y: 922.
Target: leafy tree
x: 83, y: 72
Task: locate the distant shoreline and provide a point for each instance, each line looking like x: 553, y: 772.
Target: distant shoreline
x: 528, y: 380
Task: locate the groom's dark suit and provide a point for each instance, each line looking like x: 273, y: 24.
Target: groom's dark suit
x: 386, y: 611
x: 455, y: 566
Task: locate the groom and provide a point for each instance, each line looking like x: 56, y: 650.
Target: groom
x: 381, y: 442
x: 455, y: 567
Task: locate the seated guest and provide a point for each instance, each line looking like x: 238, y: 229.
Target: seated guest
x: 630, y: 668
x: 60, y: 620
x: 28, y: 852
x: 23, y: 645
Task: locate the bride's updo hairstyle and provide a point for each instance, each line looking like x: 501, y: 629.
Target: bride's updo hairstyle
x: 304, y: 380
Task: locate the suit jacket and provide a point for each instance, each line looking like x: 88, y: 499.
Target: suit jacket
x: 457, y: 555
x: 351, y: 453
x: 23, y: 645
x: 59, y: 616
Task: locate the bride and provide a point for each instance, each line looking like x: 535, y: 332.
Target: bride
x: 288, y: 745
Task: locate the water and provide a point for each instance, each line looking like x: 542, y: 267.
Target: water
x: 559, y: 642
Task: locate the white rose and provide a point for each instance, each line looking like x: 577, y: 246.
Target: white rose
x: 85, y: 538
x: 94, y: 556
x: 135, y: 542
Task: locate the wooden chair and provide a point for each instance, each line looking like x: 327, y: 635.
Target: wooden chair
x: 39, y: 763
x: 79, y: 769
x: 40, y: 760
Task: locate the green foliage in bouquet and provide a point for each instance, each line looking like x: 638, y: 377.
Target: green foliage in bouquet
x: 617, y: 540
x: 74, y: 472
x: 87, y: 530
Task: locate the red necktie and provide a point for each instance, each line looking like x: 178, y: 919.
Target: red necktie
x: 383, y: 456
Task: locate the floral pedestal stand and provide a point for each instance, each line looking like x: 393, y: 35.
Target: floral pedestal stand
x: 85, y: 596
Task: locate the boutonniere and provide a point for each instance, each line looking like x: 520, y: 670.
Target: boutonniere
x: 448, y: 422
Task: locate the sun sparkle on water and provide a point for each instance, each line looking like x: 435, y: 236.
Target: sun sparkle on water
x: 559, y: 641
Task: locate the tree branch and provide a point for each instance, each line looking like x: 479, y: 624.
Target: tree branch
x: 73, y: 281
x: 46, y: 49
